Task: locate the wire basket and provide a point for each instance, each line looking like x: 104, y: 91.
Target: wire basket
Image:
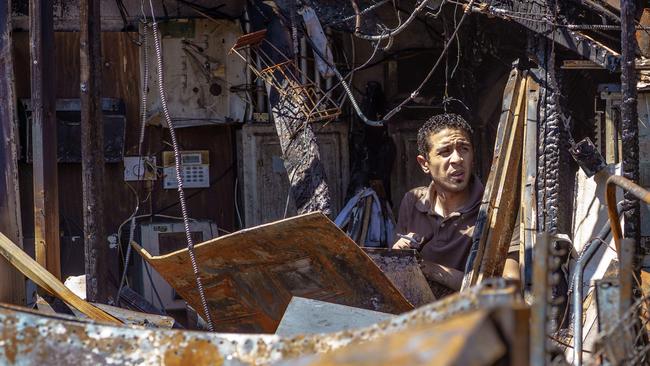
x: 626, y: 342
x: 293, y: 85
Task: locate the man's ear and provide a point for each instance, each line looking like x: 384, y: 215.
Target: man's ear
x: 424, y: 163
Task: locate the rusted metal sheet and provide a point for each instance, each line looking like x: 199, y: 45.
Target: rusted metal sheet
x: 307, y: 316
x: 27, y: 337
x: 471, y: 339
x: 251, y: 275
x: 403, y: 269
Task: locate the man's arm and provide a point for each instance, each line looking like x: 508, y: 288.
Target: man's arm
x: 438, y: 273
x: 404, y: 239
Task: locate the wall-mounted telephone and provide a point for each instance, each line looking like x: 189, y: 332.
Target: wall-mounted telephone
x: 195, y: 169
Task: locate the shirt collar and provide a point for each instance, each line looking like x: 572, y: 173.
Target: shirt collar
x: 423, y: 204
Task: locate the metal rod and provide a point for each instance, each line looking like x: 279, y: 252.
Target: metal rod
x: 581, y: 263
x: 303, y: 60
x: 610, y: 198
x: 625, y: 248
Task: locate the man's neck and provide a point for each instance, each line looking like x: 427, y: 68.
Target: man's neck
x: 447, y: 202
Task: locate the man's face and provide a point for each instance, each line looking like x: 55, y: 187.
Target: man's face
x: 449, y: 162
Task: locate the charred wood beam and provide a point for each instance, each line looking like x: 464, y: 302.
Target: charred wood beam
x: 300, y: 150
x: 553, y: 197
x: 301, y: 153
x: 44, y: 140
x: 92, y: 152
x: 630, y: 117
x: 539, y: 20
x: 12, y: 289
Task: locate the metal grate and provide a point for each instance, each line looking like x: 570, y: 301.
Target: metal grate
x: 293, y: 85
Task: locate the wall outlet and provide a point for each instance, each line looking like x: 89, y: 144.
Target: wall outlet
x: 139, y: 168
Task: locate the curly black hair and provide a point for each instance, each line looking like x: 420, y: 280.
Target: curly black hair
x: 438, y: 123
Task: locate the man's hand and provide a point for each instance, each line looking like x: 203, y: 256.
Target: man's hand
x: 408, y: 241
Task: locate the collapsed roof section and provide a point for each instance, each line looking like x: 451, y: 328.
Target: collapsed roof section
x: 590, y: 28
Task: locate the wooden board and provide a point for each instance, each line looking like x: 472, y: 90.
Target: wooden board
x: 45, y: 280
x: 527, y: 210
x: 512, y: 99
x: 250, y: 276
x: 12, y: 286
x: 506, y: 205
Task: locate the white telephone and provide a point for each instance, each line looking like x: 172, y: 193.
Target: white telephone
x: 195, y: 169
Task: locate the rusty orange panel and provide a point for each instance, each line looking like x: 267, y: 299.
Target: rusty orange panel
x: 250, y: 276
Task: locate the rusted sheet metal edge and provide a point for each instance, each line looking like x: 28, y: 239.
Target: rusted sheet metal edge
x: 27, y: 337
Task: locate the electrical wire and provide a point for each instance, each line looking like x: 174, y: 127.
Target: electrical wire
x: 364, y: 11
x: 143, y: 122
x: 414, y: 94
x: 177, y: 162
x: 389, y: 32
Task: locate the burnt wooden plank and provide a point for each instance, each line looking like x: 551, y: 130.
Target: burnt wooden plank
x: 528, y: 206
x: 250, y: 276
x: 506, y: 204
x: 510, y: 99
x: 11, y: 287
x: 46, y: 200
x: 92, y: 153
x: 45, y: 280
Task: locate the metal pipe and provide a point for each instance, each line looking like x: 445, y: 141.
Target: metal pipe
x: 329, y: 79
x: 610, y: 199
x: 578, y: 271
x: 625, y: 248
x: 303, y: 60
x: 249, y: 76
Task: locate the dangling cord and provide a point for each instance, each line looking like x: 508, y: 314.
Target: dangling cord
x: 179, y: 178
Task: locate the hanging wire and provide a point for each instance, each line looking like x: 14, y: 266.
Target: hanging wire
x: 390, y: 33
x: 414, y: 94
x: 179, y: 178
x: 143, y: 117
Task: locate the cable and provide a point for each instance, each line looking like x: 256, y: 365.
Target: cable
x: 143, y: 123
x: 177, y: 162
x: 414, y: 94
x: 390, y: 32
x: 364, y: 11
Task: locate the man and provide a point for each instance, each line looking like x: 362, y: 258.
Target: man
x: 439, y: 220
